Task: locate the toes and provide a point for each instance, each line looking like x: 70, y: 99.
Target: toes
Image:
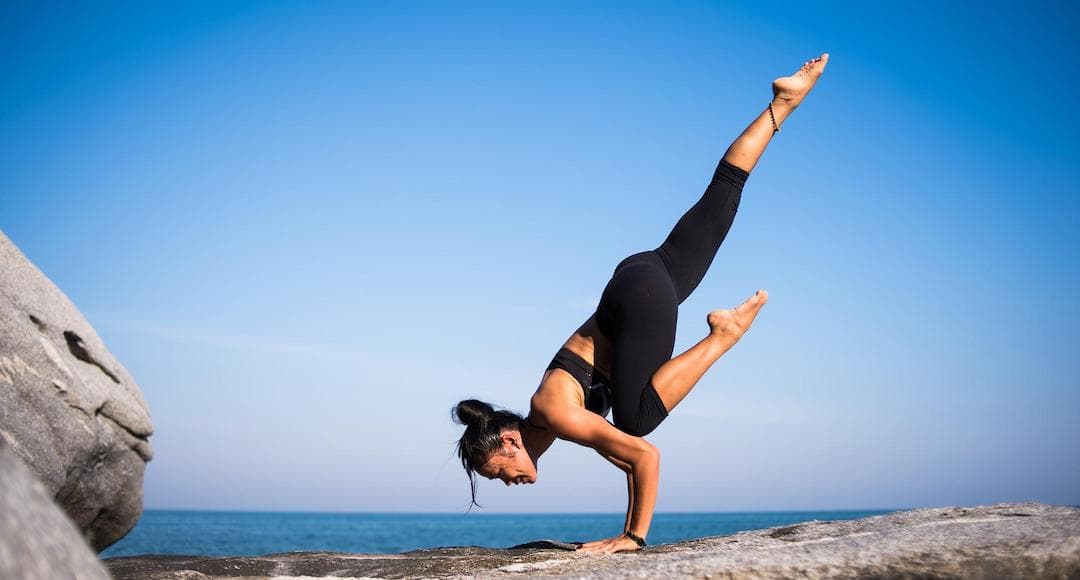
x: 756, y: 301
x: 817, y: 59
x: 752, y: 303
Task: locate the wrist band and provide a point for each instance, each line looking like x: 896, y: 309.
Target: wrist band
x: 637, y: 539
x: 775, y: 128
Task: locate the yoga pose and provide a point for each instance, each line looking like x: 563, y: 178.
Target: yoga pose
x: 620, y: 360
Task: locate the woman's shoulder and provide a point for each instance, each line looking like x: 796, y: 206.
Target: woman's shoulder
x: 558, y: 390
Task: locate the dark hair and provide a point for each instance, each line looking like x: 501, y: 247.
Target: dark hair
x: 483, y: 430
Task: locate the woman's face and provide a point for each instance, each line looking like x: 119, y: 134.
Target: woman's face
x: 511, y: 464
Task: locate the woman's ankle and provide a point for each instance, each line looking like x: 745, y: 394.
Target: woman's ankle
x: 782, y: 109
x: 786, y: 104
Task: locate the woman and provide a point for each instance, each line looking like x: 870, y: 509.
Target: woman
x: 620, y: 358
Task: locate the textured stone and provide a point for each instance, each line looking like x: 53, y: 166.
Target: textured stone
x: 68, y: 409
x: 37, y: 540
x: 1026, y: 540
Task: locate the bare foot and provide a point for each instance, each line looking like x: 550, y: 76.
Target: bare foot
x: 793, y: 89
x: 732, y: 323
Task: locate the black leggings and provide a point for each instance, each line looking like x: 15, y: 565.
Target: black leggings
x: 640, y: 304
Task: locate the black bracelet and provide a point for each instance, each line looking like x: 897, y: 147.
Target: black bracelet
x: 637, y: 539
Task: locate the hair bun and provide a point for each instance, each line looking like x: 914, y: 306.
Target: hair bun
x: 471, y: 412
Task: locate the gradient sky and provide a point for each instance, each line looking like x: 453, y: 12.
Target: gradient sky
x: 309, y: 229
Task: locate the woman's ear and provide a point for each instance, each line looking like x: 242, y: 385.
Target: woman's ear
x: 511, y: 438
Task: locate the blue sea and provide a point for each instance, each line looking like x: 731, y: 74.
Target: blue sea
x: 220, y: 533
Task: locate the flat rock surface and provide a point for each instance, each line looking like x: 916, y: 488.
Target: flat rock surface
x: 68, y: 409
x: 1022, y: 540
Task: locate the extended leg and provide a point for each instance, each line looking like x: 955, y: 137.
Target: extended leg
x: 638, y: 309
x: 675, y: 378
x: 689, y: 249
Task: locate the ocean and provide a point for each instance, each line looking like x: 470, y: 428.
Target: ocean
x: 221, y: 533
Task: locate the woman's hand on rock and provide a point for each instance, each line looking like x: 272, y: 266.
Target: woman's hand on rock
x: 609, y: 546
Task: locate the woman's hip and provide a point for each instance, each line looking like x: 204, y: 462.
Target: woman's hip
x: 641, y: 289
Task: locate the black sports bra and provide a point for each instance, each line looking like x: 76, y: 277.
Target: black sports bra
x: 596, y: 386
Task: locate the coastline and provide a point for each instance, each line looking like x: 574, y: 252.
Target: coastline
x: 1009, y: 540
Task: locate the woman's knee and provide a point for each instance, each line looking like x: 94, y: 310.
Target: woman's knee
x: 640, y: 424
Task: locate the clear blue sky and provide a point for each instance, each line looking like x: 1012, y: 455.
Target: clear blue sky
x: 308, y: 229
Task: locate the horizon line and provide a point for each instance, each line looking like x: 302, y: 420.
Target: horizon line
x: 477, y: 512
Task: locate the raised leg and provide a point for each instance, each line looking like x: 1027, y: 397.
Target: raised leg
x: 639, y: 306
x: 689, y: 249
x: 675, y: 378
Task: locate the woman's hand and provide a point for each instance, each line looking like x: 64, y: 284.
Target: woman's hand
x: 609, y: 546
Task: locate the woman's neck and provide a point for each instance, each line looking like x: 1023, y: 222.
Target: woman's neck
x: 535, y: 439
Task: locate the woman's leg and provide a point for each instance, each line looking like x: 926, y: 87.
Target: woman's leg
x: 639, y: 307
x: 638, y: 312
x: 689, y: 249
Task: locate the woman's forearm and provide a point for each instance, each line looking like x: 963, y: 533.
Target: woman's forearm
x: 646, y: 480
x: 629, y: 470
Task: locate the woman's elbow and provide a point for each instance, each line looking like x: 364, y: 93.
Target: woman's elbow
x: 648, y: 453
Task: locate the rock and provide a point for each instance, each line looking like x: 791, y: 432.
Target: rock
x: 37, y: 540
x: 68, y: 409
x: 1025, y: 540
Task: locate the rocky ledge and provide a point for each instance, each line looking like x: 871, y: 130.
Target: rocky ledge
x: 68, y: 409
x: 1020, y: 540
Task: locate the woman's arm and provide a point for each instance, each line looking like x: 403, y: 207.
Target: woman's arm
x: 625, y: 467
x: 589, y: 429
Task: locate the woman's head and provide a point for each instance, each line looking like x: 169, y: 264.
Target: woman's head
x: 492, y: 445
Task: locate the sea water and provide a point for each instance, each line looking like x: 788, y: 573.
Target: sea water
x: 221, y: 533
